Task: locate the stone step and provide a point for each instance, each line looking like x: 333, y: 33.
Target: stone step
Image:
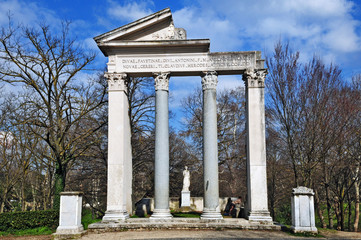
x: 181, y: 223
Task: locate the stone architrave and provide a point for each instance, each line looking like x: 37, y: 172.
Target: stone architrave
x: 303, y: 211
x: 210, y: 147
x: 256, y: 146
x: 161, y: 166
x: 70, y: 215
x: 119, y: 187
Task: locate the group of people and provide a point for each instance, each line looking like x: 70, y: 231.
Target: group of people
x: 234, y: 208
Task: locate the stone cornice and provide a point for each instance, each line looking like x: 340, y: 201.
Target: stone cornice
x: 254, y: 78
x: 209, y: 80
x: 302, y: 191
x: 161, y: 81
x: 116, y: 81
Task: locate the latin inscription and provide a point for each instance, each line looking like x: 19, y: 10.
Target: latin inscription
x: 193, y: 63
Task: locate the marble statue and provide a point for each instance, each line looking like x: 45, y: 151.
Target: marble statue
x: 186, y: 179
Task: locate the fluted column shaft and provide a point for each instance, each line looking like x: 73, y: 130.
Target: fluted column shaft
x: 119, y: 187
x: 257, y: 205
x: 210, y: 147
x: 161, y: 177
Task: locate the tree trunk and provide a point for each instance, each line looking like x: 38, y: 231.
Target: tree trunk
x: 319, y: 210
x: 338, y: 215
x: 3, y: 197
x: 329, y: 207
x: 33, y: 192
x: 328, y: 198
x: 349, y: 207
x: 357, y: 206
x: 59, y: 185
x: 23, y: 202
x: 342, y: 215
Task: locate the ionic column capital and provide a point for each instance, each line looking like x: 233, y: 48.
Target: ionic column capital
x: 161, y: 81
x: 254, y: 78
x: 209, y: 80
x: 116, y: 81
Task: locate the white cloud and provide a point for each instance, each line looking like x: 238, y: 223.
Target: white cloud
x: 26, y: 13
x: 200, y: 25
x: 129, y: 11
x: 323, y: 26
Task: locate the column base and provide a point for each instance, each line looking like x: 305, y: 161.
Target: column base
x: 211, y: 214
x: 260, y: 216
x: 304, y: 229
x: 70, y: 230
x: 161, y: 214
x: 115, y: 216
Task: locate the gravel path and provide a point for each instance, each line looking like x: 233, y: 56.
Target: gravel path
x: 196, y: 234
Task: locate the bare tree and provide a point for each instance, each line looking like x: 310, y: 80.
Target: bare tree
x: 231, y: 137
x: 48, y: 65
x: 312, y: 108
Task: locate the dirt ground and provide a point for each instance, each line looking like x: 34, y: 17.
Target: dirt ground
x: 196, y: 234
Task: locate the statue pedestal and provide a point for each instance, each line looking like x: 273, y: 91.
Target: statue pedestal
x: 186, y: 199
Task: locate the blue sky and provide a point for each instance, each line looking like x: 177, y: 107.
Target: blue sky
x: 329, y: 28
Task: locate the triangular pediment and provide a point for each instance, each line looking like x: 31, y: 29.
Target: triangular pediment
x: 157, y: 26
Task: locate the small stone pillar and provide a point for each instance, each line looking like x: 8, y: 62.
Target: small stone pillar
x: 70, y: 215
x: 303, y: 211
x: 186, y: 199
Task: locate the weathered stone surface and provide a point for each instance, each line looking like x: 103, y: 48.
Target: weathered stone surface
x: 181, y: 64
x: 186, y: 199
x: 183, y: 223
x: 161, y: 176
x: 303, y: 212
x: 70, y: 214
x: 210, y: 148
x: 257, y: 205
x: 119, y: 187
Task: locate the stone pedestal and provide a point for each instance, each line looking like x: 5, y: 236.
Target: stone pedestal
x: 161, y: 177
x: 303, y: 211
x: 186, y: 199
x: 119, y: 188
x: 257, y: 205
x: 210, y: 148
x: 70, y: 215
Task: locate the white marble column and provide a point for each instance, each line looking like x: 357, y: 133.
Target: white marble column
x: 256, y: 146
x: 210, y: 148
x: 119, y: 188
x: 161, y: 177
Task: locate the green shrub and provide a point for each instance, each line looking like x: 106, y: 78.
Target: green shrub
x: 284, y: 215
x: 87, y: 218
x: 28, y: 220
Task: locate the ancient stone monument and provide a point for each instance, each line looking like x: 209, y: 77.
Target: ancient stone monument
x: 70, y: 216
x: 154, y: 47
x: 303, y: 210
x: 186, y: 194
